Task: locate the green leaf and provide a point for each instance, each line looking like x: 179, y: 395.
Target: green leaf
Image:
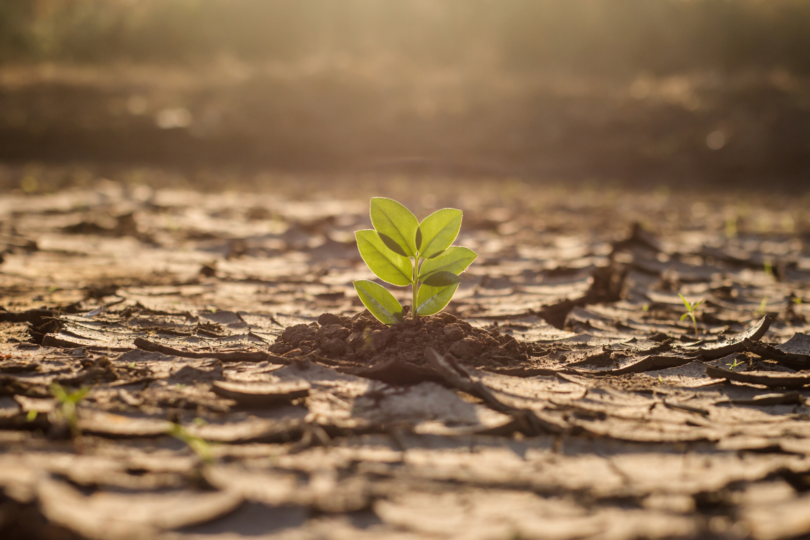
x: 393, y: 246
x: 379, y: 301
x: 684, y: 316
x: 441, y: 279
x: 386, y: 265
x: 78, y: 395
x: 395, y: 221
x: 59, y: 392
x: 454, y: 259
x: 432, y: 300
x: 687, y: 304
x: 438, y: 231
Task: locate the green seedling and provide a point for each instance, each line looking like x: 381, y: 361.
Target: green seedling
x: 402, y: 251
x: 734, y: 364
x: 31, y: 416
x: 731, y: 227
x: 691, y: 309
x: 796, y: 300
x: 199, y: 445
x: 762, y: 306
x: 67, y: 405
x: 768, y: 268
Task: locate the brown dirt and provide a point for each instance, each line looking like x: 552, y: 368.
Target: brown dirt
x: 558, y: 395
x: 364, y: 340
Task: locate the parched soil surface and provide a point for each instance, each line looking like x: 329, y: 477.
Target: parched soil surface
x: 235, y: 387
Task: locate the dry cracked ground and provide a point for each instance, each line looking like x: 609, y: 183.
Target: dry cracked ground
x: 204, y: 393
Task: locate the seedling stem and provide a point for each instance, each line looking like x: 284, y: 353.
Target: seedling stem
x: 415, y: 287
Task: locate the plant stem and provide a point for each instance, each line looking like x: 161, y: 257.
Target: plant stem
x: 415, y: 287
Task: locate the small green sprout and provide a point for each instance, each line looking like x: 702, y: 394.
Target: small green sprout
x: 690, y: 312
x: 67, y: 405
x: 796, y: 300
x: 31, y: 416
x: 731, y: 227
x: 735, y: 364
x: 768, y: 267
x: 199, y: 445
x: 402, y: 251
x: 762, y: 306
x: 660, y: 379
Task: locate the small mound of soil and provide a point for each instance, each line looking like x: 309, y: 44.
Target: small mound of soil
x: 362, y: 339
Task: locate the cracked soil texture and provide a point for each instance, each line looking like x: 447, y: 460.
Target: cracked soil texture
x: 559, y: 396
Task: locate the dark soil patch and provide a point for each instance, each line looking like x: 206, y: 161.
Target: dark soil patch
x: 364, y: 340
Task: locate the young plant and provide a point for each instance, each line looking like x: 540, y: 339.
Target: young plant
x: 197, y: 444
x: 690, y: 312
x: 768, y: 268
x: 67, y: 405
x: 762, y: 306
x: 734, y: 364
x: 402, y: 251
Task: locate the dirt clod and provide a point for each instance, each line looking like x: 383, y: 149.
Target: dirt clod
x: 328, y: 318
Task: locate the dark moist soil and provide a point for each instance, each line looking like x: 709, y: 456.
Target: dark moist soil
x: 363, y: 339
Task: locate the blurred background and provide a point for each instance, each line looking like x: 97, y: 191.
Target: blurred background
x: 629, y: 92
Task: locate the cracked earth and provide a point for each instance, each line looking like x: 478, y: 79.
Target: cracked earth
x: 559, y: 396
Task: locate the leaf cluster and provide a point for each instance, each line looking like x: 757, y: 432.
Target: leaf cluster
x: 403, y: 251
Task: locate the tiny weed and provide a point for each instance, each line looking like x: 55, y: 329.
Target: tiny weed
x: 31, y: 416
x: 768, y: 267
x: 402, y: 251
x: 690, y: 312
x: 762, y: 306
x: 660, y: 379
x: 796, y: 300
x: 734, y: 364
x: 645, y: 308
x: 731, y: 227
x: 199, y: 445
x: 67, y: 405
